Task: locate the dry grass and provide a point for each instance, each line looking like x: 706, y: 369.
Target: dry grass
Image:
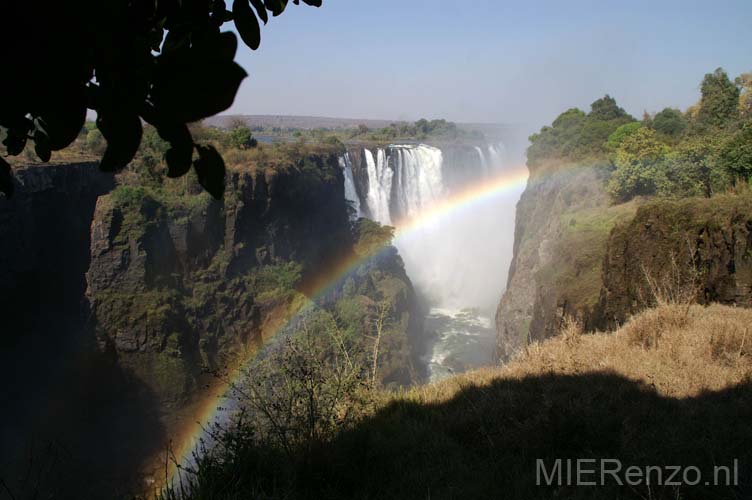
x: 672, y: 386
x: 680, y: 350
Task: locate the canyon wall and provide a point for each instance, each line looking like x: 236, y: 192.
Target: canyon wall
x: 123, y: 297
x: 577, y: 254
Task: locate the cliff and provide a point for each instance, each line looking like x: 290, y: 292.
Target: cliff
x: 124, y: 295
x: 696, y: 248
x: 577, y: 254
x: 562, y: 224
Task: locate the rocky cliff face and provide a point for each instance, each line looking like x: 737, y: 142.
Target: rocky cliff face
x: 678, y: 249
x: 44, y: 249
x: 576, y: 254
x: 148, y: 287
x: 557, y: 231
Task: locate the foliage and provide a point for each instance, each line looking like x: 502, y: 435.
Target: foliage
x: 719, y: 104
x: 615, y: 140
x: 371, y: 236
x: 669, y: 122
x: 242, y: 138
x: 672, y: 154
x: 744, y: 82
x: 736, y: 156
x: 638, y: 164
x: 164, y: 62
x: 576, y: 136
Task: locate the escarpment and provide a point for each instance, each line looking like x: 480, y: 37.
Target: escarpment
x: 578, y: 254
x: 131, y: 294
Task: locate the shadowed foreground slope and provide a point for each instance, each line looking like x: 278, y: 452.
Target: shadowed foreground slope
x: 671, y: 387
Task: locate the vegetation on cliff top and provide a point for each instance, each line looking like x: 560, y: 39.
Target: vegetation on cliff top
x: 699, y: 152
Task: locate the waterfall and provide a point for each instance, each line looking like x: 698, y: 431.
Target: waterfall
x: 379, y: 186
x: 483, y: 162
x: 351, y: 194
x: 496, y: 155
x: 418, y: 178
x: 458, y: 260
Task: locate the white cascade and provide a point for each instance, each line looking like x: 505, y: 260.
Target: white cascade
x: 418, y: 178
x: 379, y: 186
x: 496, y: 154
x: 351, y: 194
x: 483, y: 161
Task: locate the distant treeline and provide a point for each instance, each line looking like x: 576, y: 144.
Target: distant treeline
x: 703, y: 150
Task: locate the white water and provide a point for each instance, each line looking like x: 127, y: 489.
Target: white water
x: 458, y: 261
x: 379, y: 186
x: 351, y: 194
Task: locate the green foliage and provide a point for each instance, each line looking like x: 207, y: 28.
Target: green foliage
x: 669, y: 122
x: 606, y: 109
x: 615, y: 140
x: 638, y: 165
x: 242, y: 138
x: 736, y: 155
x: 95, y: 141
x: 576, y: 136
x: 719, y: 104
x: 371, y: 236
x: 277, y: 281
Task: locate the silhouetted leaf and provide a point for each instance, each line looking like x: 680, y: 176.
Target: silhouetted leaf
x: 260, y: 10
x: 15, y: 141
x: 123, y: 133
x: 64, y: 116
x: 221, y: 45
x: 193, y: 85
x: 246, y: 23
x: 276, y: 7
x: 42, y: 145
x: 210, y: 169
x: 180, y: 154
x: 312, y: 3
x: 6, y: 179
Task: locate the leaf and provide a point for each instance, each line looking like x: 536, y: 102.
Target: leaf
x: 260, y: 10
x: 246, y: 23
x: 123, y: 133
x: 194, y: 84
x: 312, y: 3
x: 276, y: 7
x: 6, y: 179
x: 180, y: 154
x: 42, y: 145
x: 210, y: 169
x: 64, y: 116
x: 15, y: 141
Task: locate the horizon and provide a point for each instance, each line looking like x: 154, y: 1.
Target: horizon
x: 520, y: 64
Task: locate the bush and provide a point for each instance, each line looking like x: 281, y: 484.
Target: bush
x: 736, y: 155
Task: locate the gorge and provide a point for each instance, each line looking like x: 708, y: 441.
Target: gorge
x: 160, y: 287
x: 404, y: 185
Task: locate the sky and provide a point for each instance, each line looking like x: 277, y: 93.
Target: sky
x: 497, y: 61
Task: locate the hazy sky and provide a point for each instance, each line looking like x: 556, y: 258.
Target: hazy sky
x: 490, y: 60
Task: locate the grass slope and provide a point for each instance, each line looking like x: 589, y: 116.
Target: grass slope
x: 671, y: 387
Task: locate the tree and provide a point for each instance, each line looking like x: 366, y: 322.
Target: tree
x: 242, y: 138
x: 744, y: 82
x: 620, y: 134
x: 669, y: 122
x: 606, y: 108
x: 162, y: 61
x: 639, y: 166
x: 736, y: 155
x: 720, y: 99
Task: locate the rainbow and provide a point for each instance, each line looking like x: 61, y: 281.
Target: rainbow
x: 509, y: 180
